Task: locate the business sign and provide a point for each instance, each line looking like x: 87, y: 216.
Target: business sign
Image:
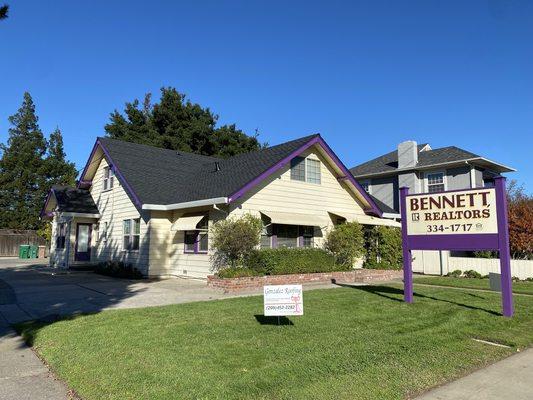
x: 282, y: 300
x: 473, y: 219
x: 469, y: 212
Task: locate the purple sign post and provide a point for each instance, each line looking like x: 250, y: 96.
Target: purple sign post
x: 471, y: 219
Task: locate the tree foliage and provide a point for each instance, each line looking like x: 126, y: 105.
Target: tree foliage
x: 383, y: 247
x: 29, y: 166
x: 234, y: 239
x: 346, y: 242
x: 3, y: 11
x: 520, y: 206
x: 177, y: 123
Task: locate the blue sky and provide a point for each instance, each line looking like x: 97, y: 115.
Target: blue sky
x: 366, y: 75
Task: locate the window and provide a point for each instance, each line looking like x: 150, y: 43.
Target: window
x: 131, y: 234
x: 305, y: 170
x: 108, y: 178
x: 307, y: 234
x: 313, y: 171
x: 197, y: 241
x: 61, y: 236
x: 289, y: 236
x: 365, y: 185
x: 298, y: 169
x: 435, y: 182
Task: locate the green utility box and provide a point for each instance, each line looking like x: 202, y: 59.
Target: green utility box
x: 34, y: 251
x: 24, y: 251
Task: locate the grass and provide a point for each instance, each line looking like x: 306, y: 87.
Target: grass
x: 522, y: 287
x: 352, y: 343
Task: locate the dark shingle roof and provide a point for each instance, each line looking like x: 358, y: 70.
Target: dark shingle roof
x: 382, y: 206
x: 389, y: 162
x: 74, y: 200
x: 162, y: 176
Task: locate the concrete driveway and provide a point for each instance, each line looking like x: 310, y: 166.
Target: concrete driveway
x: 30, y: 291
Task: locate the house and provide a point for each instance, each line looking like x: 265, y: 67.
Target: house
x: 425, y: 170
x: 153, y: 207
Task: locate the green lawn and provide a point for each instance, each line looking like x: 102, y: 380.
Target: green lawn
x: 352, y: 343
x: 471, y: 283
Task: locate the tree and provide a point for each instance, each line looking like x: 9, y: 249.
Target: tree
x: 58, y: 171
x: 520, y: 214
x: 29, y: 166
x: 346, y: 242
x: 3, y: 11
x: 21, y: 167
x: 177, y: 123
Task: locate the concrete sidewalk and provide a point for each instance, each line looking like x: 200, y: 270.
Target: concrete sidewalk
x: 22, y: 375
x: 509, y: 379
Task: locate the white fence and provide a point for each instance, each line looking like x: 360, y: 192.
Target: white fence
x: 522, y: 269
x: 441, y: 263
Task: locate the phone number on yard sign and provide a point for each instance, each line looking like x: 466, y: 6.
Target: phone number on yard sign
x: 282, y: 300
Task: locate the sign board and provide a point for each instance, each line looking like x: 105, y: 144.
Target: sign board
x: 283, y: 300
x: 467, y: 212
x: 472, y: 219
x: 495, y: 282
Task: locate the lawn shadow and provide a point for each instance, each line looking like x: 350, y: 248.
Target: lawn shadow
x: 264, y: 320
x: 388, y: 291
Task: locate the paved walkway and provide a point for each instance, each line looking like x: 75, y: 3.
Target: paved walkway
x: 509, y: 379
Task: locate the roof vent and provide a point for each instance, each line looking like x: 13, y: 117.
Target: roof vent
x: 217, y: 166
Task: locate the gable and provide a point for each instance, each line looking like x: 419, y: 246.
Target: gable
x: 280, y: 193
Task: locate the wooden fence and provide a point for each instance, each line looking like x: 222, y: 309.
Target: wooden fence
x: 11, y: 239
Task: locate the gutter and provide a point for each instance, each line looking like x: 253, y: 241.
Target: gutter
x: 432, y: 166
x: 187, y: 204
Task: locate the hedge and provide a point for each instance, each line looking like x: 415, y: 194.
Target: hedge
x: 283, y: 261
x: 118, y: 269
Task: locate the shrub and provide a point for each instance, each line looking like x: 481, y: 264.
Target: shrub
x: 118, y: 269
x: 346, y: 242
x: 383, y: 247
x: 485, y: 254
x: 292, y: 261
x: 236, y: 272
x: 234, y: 239
x: 472, y: 274
x: 528, y: 280
x: 455, y: 274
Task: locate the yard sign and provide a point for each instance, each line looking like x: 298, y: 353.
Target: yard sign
x: 473, y: 219
x: 283, y: 300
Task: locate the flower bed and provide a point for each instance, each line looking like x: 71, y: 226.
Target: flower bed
x: 254, y: 282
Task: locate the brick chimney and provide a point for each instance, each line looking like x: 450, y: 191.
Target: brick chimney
x: 407, y: 154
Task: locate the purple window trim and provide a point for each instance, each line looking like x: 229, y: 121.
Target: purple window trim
x: 317, y: 139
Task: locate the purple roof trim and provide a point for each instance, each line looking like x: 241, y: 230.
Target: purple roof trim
x: 373, y: 207
x: 42, y: 213
x: 117, y: 172
x: 317, y: 139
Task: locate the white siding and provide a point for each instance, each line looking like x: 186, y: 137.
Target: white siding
x: 115, y: 206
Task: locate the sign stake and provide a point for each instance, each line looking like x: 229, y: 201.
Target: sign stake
x: 407, y: 260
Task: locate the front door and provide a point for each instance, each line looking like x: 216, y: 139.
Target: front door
x: 83, y: 243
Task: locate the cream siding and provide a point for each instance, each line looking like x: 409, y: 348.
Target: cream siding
x: 115, y: 206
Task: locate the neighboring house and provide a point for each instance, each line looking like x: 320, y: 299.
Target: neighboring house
x: 425, y: 170
x: 153, y: 207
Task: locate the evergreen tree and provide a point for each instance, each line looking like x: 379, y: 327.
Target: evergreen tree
x: 22, y: 184
x: 176, y: 123
x: 57, y: 170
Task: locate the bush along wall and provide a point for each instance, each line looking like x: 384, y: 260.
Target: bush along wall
x: 283, y: 261
x: 383, y: 247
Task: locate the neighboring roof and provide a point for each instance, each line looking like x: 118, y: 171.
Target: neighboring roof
x: 160, y: 176
x: 385, y: 209
x: 74, y: 200
x: 426, y: 158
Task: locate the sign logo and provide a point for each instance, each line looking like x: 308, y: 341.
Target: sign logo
x: 282, y: 300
